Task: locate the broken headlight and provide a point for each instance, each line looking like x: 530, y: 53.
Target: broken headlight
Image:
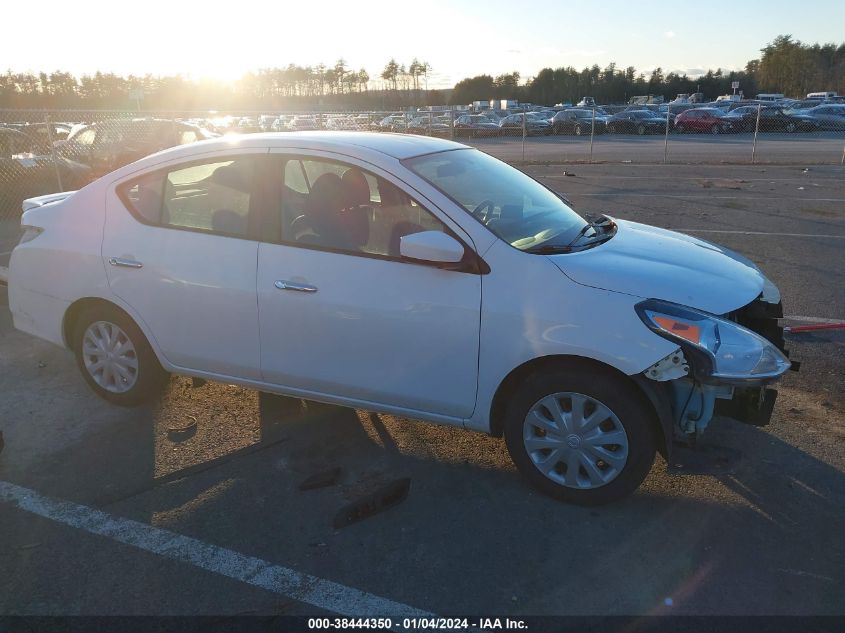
x: 721, y: 350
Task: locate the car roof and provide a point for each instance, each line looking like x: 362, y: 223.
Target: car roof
x: 398, y: 146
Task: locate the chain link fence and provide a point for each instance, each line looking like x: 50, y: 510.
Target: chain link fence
x: 43, y: 152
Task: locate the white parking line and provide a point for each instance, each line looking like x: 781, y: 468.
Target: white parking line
x: 320, y: 593
x: 835, y: 237
x: 809, y: 319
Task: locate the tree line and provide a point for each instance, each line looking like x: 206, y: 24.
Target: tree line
x: 785, y: 65
x: 288, y: 87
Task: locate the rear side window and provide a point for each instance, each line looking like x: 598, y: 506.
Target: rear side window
x: 213, y: 197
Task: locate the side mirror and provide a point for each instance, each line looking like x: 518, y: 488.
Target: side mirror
x: 431, y: 246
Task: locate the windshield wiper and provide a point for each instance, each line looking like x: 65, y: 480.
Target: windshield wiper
x: 602, y: 225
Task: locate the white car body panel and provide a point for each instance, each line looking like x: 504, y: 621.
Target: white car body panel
x: 64, y: 263
x: 650, y: 262
x: 195, y: 293
x: 566, y: 322
x: 383, y: 335
x: 401, y: 334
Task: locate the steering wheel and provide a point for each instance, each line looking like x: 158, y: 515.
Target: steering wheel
x: 484, y: 211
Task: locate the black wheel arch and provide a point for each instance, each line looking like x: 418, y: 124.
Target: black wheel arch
x: 655, y: 394
x: 79, y: 307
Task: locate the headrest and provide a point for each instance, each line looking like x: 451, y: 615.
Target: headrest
x: 233, y: 177
x: 325, y: 200
x: 357, y: 188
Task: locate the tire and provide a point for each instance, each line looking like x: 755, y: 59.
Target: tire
x: 715, y: 129
x: 616, y: 411
x: 791, y: 127
x: 135, y: 376
x: 611, y: 129
x: 578, y: 130
x: 679, y: 128
x: 641, y: 130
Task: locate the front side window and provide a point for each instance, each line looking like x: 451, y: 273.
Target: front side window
x: 332, y: 205
x: 514, y: 206
x: 208, y: 197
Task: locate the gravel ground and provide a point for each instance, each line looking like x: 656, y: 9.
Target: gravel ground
x: 750, y: 523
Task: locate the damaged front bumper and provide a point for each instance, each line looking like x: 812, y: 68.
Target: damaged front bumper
x: 691, y: 377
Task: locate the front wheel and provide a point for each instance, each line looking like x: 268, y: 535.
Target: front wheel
x: 641, y: 130
x: 791, y: 127
x: 115, y: 358
x: 715, y: 129
x: 584, y: 437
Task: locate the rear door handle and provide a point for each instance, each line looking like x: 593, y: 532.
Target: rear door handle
x: 125, y: 263
x: 290, y: 285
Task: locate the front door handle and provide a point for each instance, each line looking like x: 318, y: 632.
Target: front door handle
x: 126, y: 263
x: 290, y: 285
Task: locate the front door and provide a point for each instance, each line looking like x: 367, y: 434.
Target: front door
x: 341, y: 314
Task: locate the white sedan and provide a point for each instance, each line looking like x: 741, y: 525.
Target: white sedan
x: 408, y: 275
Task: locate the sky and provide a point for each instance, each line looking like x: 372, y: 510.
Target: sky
x: 457, y: 38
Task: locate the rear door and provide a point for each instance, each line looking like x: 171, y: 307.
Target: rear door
x: 180, y: 248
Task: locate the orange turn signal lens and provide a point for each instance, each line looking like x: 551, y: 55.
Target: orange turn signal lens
x: 687, y: 331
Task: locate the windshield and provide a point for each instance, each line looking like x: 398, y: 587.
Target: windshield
x: 511, y: 204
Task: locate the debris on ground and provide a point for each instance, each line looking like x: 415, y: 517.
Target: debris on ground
x: 41, y: 364
x: 184, y: 432
x: 568, y: 173
x: 196, y: 383
x: 322, y: 479
x: 381, y: 499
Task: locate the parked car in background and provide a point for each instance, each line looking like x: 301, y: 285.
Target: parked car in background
x: 636, y: 122
x: 829, y: 116
x: 393, y: 123
x: 110, y: 144
x: 772, y: 119
x: 710, y: 120
x: 598, y: 341
x: 303, y: 123
x: 513, y: 125
x: 475, y: 125
x: 577, y: 121
x: 45, y: 133
x: 428, y: 126
x: 28, y: 168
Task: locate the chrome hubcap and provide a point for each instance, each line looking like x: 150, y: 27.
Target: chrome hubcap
x: 575, y: 440
x: 109, y: 357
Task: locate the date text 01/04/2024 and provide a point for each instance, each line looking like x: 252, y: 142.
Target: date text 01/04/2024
x: 421, y: 623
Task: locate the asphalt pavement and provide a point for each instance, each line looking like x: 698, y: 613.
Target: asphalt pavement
x: 104, y: 511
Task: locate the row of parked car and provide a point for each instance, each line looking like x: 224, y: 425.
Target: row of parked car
x: 42, y: 157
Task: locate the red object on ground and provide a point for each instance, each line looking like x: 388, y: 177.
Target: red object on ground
x: 811, y: 328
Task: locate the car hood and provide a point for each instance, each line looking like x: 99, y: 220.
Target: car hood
x: 655, y: 263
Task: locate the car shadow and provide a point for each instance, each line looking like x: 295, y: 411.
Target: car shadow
x: 750, y: 535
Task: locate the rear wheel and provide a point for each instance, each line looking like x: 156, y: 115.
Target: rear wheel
x: 115, y: 358
x: 583, y: 437
x: 679, y: 128
x: 791, y: 127
x: 641, y: 129
x: 715, y: 129
x: 578, y: 130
